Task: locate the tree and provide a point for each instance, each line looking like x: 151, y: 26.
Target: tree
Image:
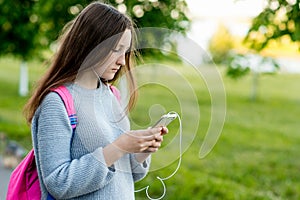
x: 279, y: 18
x: 29, y: 26
x: 17, y: 34
x: 222, y: 47
x: 221, y: 44
x: 171, y: 14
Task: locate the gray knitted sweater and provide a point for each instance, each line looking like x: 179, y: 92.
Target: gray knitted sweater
x: 72, y: 166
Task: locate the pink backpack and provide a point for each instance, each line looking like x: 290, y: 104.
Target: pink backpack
x: 24, y: 183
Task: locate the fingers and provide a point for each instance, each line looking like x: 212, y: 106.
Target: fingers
x: 152, y: 143
x: 158, y: 138
x: 153, y: 147
x: 150, y: 146
x: 148, y: 140
x: 155, y: 130
x: 147, y: 134
x: 151, y: 150
x: 164, y: 130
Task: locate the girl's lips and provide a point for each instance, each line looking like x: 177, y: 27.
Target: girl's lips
x: 115, y: 69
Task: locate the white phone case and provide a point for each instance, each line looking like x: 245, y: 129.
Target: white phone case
x: 165, y: 120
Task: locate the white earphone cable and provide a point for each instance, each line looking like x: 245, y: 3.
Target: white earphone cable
x: 175, y: 171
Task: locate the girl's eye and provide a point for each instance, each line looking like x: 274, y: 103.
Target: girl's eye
x: 121, y: 50
x: 116, y: 50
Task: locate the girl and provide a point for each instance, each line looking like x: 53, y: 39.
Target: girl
x: 102, y: 158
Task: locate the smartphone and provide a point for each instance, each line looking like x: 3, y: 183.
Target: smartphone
x: 165, y: 120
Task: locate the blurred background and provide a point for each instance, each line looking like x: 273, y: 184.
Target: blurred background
x: 253, y: 44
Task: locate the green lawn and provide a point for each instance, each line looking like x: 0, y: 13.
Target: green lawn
x: 12, y: 121
x: 256, y: 156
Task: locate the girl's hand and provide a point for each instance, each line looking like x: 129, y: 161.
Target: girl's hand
x: 158, y: 141
x: 141, y: 141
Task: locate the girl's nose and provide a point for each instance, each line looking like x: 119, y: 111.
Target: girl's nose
x: 121, y: 60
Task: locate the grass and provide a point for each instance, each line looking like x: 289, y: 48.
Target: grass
x: 256, y: 156
x: 12, y: 121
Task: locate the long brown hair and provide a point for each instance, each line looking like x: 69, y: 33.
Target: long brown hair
x: 94, y: 25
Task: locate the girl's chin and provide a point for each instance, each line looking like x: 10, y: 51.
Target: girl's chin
x: 108, y: 77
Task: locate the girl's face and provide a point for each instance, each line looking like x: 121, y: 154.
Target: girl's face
x: 116, y: 60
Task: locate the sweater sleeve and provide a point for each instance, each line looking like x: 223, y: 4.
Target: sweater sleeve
x: 139, y: 170
x: 63, y: 177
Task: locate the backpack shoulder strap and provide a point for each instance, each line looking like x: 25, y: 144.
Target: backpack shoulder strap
x: 116, y: 92
x: 67, y: 98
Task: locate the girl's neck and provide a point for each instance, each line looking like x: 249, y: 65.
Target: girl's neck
x: 87, y: 79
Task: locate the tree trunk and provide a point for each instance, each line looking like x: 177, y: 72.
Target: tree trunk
x: 23, y: 82
x: 254, y: 85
